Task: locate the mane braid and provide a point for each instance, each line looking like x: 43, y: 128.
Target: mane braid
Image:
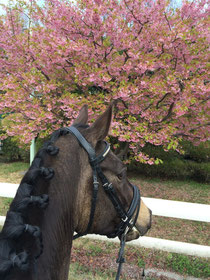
x: 15, y: 227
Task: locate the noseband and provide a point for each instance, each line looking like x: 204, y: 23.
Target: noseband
x: 127, y: 218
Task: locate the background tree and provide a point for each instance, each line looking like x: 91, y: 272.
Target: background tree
x: 149, y: 56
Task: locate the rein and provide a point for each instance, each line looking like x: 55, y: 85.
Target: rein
x: 128, y: 218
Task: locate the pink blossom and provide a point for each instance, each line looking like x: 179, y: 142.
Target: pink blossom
x: 92, y: 55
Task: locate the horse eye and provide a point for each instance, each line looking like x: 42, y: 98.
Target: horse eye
x: 122, y: 174
x: 119, y: 176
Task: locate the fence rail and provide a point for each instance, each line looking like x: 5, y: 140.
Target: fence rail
x: 159, y: 207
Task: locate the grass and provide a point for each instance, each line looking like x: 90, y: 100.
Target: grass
x: 96, y: 260
x: 180, y: 230
x: 95, y: 250
x: 82, y: 272
x: 137, y: 258
x: 4, y: 205
x: 141, y: 262
x: 188, y: 191
x: 12, y: 172
x: 188, y: 265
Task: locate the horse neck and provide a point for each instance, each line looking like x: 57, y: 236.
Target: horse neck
x: 57, y: 225
x: 57, y: 221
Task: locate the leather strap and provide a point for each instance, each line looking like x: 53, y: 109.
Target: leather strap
x: 89, y: 149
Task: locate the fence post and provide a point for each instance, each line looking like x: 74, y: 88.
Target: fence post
x: 32, y: 150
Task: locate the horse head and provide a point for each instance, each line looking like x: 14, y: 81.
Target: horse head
x: 106, y: 218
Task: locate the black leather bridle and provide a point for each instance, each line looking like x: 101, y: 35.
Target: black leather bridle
x: 128, y: 218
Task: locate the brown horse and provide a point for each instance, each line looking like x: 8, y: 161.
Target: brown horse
x: 54, y: 200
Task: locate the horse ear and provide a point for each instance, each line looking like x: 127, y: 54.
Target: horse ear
x: 82, y: 118
x: 100, y: 128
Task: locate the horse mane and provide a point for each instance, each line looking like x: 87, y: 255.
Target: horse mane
x: 15, y: 229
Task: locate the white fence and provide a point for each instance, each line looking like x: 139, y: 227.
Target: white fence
x: 159, y: 207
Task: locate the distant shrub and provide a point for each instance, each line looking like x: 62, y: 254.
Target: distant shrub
x: 193, y: 164
x: 40, y: 142
x: 200, y: 171
x: 199, y: 153
x: 12, y: 152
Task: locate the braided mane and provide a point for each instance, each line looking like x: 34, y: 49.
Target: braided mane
x: 16, y: 231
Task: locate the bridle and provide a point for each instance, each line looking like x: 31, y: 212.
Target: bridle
x: 128, y: 218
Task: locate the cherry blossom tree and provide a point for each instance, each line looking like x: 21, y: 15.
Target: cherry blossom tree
x: 150, y: 57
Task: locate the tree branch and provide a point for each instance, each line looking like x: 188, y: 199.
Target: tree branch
x: 167, y: 21
x: 158, y: 103
x: 46, y: 76
x: 170, y: 110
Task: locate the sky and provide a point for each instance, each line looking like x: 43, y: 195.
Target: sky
x: 3, y: 2
x: 6, y: 2
x: 178, y: 2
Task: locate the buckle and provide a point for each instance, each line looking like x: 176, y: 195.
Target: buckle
x: 131, y: 223
x: 125, y: 219
x: 107, y: 186
x: 126, y: 231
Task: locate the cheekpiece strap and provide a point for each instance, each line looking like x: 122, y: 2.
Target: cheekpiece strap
x: 92, y: 157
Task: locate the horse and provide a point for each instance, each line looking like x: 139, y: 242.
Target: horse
x: 57, y: 197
